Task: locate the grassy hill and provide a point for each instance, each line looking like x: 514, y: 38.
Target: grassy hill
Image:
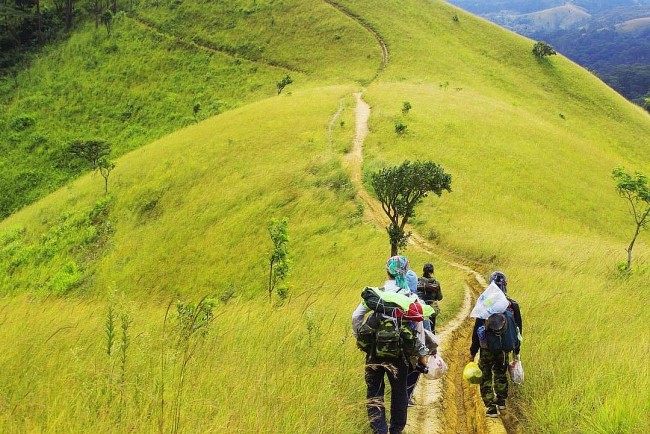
x: 90, y: 86
x: 530, y: 145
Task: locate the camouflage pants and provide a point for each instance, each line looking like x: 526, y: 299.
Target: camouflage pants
x: 494, y: 384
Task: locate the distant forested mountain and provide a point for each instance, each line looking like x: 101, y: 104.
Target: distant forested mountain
x: 594, y: 6
x: 611, y: 38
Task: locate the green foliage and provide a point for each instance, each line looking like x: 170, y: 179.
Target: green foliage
x: 91, y: 151
x: 109, y: 329
x: 194, y: 318
x: 193, y: 323
x: 107, y: 21
x: 406, y: 107
x: 60, y: 260
x: 195, y: 110
x: 279, y: 257
x: 400, y: 127
x: 542, y: 49
x: 283, y: 83
x: 636, y: 191
x: 401, y: 188
x: 105, y: 167
x: 67, y: 279
x: 21, y: 123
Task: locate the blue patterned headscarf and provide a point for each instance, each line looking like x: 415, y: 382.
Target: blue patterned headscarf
x: 398, y: 266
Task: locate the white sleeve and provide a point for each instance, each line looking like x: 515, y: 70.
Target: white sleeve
x: 419, y: 326
x: 357, y: 317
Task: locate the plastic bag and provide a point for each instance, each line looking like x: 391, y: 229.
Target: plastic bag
x: 437, y: 368
x: 516, y: 371
x: 431, y: 341
x: 493, y: 300
x: 472, y: 373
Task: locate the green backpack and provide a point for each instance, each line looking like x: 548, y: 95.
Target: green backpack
x: 387, y: 338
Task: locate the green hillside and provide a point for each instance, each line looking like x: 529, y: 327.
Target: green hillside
x: 144, y: 80
x: 530, y: 144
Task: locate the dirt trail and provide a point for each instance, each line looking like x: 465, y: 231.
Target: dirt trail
x: 449, y: 405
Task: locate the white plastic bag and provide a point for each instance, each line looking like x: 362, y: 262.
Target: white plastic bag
x: 431, y: 341
x: 516, y: 370
x: 493, y: 300
x: 437, y: 368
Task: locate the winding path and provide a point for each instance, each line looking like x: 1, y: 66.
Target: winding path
x: 451, y: 405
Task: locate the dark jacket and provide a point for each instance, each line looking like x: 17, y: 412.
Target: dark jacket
x: 429, y: 290
x: 516, y: 313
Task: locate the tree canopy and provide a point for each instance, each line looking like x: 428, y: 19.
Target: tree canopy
x: 401, y: 188
x: 635, y: 189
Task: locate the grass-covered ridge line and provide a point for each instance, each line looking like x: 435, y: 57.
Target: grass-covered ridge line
x: 144, y: 81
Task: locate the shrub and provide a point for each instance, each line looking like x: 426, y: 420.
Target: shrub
x: 542, y: 49
x: 400, y: 127
x: 21, y: 123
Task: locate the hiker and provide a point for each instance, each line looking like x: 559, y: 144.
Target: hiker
x: 496, y: 337
x: 413, y: 375
x: 379, y: 361
x: 429, y: 291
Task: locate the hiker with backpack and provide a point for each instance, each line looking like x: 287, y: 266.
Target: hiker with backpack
x: 496, y: 336
x: 429, y: 291
x: 389, y: 337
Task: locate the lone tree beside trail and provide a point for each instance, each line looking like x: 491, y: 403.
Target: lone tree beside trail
x: 636, y: 191
x: 90, y: 150
x: 279, y: 258
x: 400, y: 188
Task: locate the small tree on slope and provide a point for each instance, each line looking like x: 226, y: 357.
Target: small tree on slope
x: 542, y: 49
x: 402, y: 187
x: 90, y: 150
x: 278, y: 260
x: 636, y: 191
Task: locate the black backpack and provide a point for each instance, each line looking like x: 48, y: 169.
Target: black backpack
x: 501, y: 332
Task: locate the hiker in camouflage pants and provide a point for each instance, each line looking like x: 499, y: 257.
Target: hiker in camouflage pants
x: 495, y: 368
x: 494, y: 364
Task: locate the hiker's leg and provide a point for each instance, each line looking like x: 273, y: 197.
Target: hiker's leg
x: 399, y: 397
x: 411, y: 381
x: 427, y: 324
x: 375, y: 398
x: 501, y: 377
x: 486, y: 362
x: 432, y: 321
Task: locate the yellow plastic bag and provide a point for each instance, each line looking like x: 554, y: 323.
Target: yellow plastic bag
x: 472, y: 373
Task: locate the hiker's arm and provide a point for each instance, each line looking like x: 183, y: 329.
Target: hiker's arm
x: 439, y: 293
x: 357, y: 317
x: 517, y: 315
x: 473, y: 349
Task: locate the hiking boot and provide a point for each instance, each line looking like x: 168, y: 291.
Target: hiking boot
x: 501, y: 404
x: 492, y: 411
